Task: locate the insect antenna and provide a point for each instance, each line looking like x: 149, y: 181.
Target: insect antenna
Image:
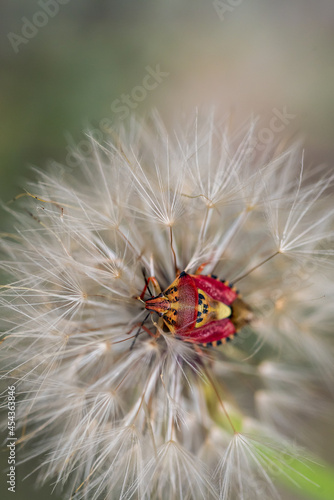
x: 138, y: 331
x: 146, y: 281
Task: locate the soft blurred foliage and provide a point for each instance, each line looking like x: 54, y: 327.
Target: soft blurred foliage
x: 259, y: 56
x: 263, y: 55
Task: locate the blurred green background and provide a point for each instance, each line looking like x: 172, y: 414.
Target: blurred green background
x: 67, y: 64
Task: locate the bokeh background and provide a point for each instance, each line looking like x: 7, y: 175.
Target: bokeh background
x: 70, y: 67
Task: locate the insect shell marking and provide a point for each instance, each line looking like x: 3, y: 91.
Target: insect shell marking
x: 200, y: 309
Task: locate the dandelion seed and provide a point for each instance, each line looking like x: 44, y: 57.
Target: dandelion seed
x: 118, y: 396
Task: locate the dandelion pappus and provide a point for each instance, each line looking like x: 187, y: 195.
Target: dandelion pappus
x: 198, y: 308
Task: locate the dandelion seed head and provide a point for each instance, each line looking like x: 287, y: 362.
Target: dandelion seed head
x: 114, y: 403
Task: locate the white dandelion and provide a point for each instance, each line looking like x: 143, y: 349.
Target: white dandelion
x: 119, y: 398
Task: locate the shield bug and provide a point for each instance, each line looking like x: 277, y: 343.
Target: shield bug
x: 199, y: 308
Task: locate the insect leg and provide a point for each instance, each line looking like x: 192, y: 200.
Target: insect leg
x: 155, y: 284
x: 199, y: 270
x: 141, y: 326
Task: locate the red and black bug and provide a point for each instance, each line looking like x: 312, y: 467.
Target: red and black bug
x: 198, y: 308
